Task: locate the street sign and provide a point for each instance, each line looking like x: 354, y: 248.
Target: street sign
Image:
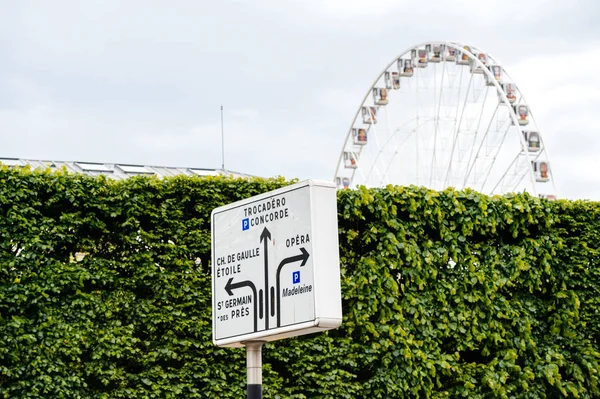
x: 275, y: 265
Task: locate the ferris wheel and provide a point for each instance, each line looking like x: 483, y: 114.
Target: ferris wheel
x: 446, y: 114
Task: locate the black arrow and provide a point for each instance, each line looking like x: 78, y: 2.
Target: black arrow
x: 266, y: 234
x: 230, y: 286
x: 302, y: 257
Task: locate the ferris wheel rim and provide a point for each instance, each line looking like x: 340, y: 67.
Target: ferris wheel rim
x: 462, y: 48
x: 470, y: 52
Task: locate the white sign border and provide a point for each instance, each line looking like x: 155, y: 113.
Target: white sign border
x: 325, y: 319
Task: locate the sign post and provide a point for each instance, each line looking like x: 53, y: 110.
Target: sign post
x: 275, y: 269
x: 254, y: 369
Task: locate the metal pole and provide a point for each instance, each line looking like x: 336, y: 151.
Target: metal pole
x: 254, y: 369
x: 222, y: 142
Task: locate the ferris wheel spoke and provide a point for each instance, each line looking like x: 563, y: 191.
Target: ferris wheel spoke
x: 373, y: 172
x: 390, y: 163
x: 379, y: 151
x: 512, y: 173
x: 386, y: 144
x: 470, y: 168
x: 358, y: 168
x: 437, y: 120
x: 524, y: 172
x: 474, y: 140
x: 504, y: 174
x: 493, y: 160
x: 456, y: 128
x: 370, y: 173
x: 511, y: 176
x: 417, y: 137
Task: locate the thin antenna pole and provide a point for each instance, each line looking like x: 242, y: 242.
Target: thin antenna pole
x: 222, y: 142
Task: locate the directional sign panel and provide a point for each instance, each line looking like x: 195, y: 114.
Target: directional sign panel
x: 275, y: 265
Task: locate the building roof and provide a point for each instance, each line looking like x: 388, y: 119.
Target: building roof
x: 117, y: 171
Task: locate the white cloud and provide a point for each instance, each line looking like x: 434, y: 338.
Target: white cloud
x: 142, y: 81
x: 425, y: 13
x: 353, y: 8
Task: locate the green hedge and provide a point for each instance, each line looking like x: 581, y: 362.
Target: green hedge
x: 446, y: 294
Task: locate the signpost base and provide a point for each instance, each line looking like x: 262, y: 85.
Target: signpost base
x: 254, y: 369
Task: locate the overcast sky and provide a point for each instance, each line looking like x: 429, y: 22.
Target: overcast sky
x: 142, y: 82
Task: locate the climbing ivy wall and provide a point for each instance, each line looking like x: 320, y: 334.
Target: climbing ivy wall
x: 105, y: 293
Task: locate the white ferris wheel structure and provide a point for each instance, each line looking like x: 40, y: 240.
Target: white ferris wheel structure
x: 446, y: 114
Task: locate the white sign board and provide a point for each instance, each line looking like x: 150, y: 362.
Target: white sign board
x: 275, y: 265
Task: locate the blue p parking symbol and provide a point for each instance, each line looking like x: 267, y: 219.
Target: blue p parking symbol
x: 296, y: 277
x: 245, y: 224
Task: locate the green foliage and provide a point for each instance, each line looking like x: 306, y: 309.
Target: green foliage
x: 446, y: 294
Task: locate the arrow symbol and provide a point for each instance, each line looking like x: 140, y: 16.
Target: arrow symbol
x: 230, y: 286
x: 264, y: 236
x: 302, y: 257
